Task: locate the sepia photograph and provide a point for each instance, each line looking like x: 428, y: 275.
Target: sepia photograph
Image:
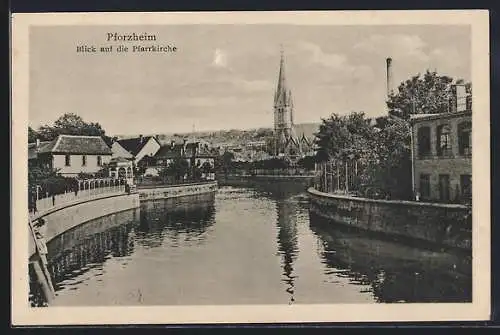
x: 250, y: 167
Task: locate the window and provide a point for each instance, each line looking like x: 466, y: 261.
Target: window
x: 465, y: 138
x: 425, y: 186
x: 424, y: 141
x: 466, y: 186
x: 443, y: 140
x: 67, y: 160
x: 99, y: 161
x: 444, y: 187
x: 84, y: 160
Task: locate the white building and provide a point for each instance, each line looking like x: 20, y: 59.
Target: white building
x: 72, y: 154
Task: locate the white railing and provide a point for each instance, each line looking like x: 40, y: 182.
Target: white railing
x: 68, y: 198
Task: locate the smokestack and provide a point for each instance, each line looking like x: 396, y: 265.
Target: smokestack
x: 389, y: 76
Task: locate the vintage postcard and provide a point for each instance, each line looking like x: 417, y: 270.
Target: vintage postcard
x: 250, y: 167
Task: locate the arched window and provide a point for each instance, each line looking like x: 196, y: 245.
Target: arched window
x: 424, y: 141
x: 443, y: 140
x: 465, y: 138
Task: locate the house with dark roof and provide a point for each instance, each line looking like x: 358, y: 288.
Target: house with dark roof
x: 71, y: 154
x: 141, y: 146
x: 194, y: 152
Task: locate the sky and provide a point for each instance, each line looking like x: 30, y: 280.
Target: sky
x: 225, y: 76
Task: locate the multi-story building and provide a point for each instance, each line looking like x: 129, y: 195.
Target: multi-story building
x: 442, y: 156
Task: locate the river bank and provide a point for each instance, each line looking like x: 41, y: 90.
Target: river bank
x: 243, y: 245
x: 157, y: 192
x: 445, y: 225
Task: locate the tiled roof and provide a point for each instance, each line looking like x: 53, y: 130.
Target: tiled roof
x: 135, y: 145
x: 119, y: 151
x: 169, y: 151
x: 76, y: 144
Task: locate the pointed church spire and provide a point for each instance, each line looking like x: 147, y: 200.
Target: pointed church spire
x: 281, y: 90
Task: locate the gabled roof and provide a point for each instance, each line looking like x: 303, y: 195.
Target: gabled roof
x: 135, y: 145
x: 119, y: 151
x: 76, y: 144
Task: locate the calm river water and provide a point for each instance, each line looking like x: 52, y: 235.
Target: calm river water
x: 243, y: 245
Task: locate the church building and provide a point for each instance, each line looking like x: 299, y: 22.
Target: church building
x: 286, y: 142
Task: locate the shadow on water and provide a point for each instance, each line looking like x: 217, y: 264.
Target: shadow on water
x: 287, y: 239
x: 191, y: 217
x: 395, y: 272
x: 288, y: 197
x: 90, y: 245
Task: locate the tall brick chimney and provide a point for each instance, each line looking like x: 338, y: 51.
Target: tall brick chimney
x: 389, y: 76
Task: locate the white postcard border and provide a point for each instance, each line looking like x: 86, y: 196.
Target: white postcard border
x: 479, y: 309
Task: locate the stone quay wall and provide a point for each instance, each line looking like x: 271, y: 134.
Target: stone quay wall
x: 176, y: 191
x: 62, y: 219
x: 447, y: 225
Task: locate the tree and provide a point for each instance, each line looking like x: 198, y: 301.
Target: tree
x: 392, y: 169
x: 226, y: 161
x: 427, y: 94
x: 342, y: 136
x: 307, y: 162
x: 71, y: 124
x: 176, y: 170
x: 32, y: 135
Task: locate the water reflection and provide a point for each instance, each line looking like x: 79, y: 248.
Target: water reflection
x: 284, y: 195
x: 89, y: 245
x: 395, y: 272
x: 187, y: 218
x: 287, y: 241
x: 244, y: 245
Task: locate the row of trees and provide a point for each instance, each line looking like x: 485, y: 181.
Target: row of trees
x: 380, y: 148
x: 67, y: 124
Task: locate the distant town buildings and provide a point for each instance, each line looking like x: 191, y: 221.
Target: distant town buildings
x: 442, y: 156
x: 195, y: 153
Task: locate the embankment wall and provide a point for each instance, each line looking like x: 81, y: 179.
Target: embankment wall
x: 447, y: 225
x: 62, y: 219
x: 177, y: 191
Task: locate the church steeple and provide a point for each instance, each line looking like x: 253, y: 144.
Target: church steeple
x: 283, y: 94
x: 284, y: 132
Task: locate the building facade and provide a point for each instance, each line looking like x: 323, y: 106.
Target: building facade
x: 442, y: 156
x: 71, y: 155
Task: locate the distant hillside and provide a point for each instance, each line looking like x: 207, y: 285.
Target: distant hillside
x: 232, y: 136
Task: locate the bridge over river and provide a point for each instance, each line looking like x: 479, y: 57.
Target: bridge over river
x: 253, y: 244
